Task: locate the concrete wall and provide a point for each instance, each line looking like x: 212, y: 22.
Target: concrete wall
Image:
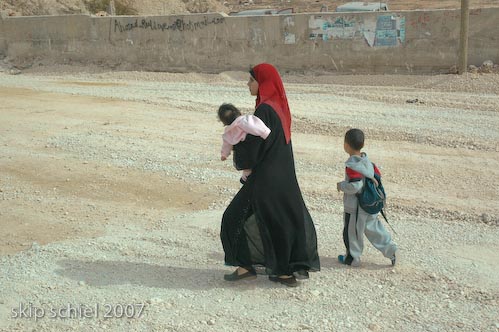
x: 403, y: 42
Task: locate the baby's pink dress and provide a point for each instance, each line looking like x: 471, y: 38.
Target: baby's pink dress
x: 237, y: 131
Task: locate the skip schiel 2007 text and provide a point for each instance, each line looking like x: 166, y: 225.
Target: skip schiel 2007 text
x: 78, y: 311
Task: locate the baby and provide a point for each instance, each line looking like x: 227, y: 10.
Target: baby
x: 237, y: 126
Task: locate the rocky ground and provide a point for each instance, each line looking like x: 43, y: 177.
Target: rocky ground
x: 112, y: 191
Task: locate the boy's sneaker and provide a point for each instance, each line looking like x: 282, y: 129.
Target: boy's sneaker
x: 354, y: 262
x: 394, y: 260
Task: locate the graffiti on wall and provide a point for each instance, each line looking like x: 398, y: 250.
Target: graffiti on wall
x: 289, y: 38
x: 327, y: 28
x: 421, y: 21
x: 288, y: 26
x: 257, y: 36
x: 384, y: 30
x: 390, y: 31
x: 177, y: 25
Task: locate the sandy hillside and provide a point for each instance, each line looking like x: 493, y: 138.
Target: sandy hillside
x: 141, y: 7
x: 112, y: 191
x: 162, y: 7
x: 303, y: 6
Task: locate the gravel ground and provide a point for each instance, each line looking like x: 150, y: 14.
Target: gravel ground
x: 112, y: 191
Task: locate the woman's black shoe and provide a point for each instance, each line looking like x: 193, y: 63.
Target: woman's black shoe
x: 290, y: 282
x: 234, y: 276
x: 301, y: 275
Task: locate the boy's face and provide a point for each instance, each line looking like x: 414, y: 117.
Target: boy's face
x: 346, y: 147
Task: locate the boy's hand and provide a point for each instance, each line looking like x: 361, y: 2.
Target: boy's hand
x: 338, y: 186
x: 223, y: 158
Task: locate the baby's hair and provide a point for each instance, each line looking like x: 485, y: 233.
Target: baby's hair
x: 227, y: 113
x: 355, y: 138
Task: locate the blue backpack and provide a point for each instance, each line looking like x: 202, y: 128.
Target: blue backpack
x: 372, y: 198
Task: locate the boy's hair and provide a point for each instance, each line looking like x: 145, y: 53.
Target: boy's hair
x: 355, y: 139
x: 227, y: 113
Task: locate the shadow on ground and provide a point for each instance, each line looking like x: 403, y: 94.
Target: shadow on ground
x: 107, y: 273
x: 332, y: 263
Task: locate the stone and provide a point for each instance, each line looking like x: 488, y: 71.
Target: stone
x: 374, y: 327
x: 473, y: 69
x: 487, y: 66
x: 14, y: 71
x: 453, y: 70
x: 35, y: 247
x: 485, y: 218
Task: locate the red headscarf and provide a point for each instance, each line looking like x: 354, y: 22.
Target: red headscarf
x: 271, y: 92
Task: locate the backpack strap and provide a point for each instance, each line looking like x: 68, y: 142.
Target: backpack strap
x: 384, y: 216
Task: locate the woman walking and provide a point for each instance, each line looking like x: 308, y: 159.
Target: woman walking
x: 267, y: 222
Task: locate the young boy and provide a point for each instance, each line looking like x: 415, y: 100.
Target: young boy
x: 357, y: 222
x: 237, y: 126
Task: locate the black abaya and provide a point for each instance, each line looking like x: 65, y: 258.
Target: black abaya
x: 267, y: 222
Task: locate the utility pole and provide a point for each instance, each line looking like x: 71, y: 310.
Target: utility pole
x: 463, y: 43
x: 111, y: 9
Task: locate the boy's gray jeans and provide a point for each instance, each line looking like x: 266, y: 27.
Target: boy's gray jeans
x: 358, y: 224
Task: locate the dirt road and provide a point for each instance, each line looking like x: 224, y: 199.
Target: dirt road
x: 112, y: 191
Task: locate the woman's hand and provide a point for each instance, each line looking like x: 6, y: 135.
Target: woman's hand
x: 223, y: 158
